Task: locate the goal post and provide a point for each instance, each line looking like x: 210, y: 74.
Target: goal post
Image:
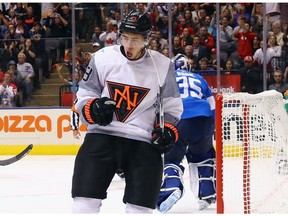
x: 251, y: 153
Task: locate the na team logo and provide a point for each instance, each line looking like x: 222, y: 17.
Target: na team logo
x: 127, y: 98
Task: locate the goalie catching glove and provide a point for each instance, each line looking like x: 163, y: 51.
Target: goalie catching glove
x: 163, y: 141
x: 99, y: 111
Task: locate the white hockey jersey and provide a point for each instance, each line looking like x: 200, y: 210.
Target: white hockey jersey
x: 134, y: 86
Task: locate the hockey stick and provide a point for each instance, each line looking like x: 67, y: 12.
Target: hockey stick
x: 17, y: 157
x: 160, y: 95
x: 161, y: 103
x: 161, y: 109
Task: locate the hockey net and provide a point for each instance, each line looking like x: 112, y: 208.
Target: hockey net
x: 251, y: 153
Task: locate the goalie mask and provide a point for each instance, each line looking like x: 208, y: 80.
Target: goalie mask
x: 181, y: 62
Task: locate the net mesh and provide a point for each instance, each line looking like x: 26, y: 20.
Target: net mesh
x: 255, y: 153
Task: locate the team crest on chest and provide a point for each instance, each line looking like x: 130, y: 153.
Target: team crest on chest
x: 127, y: 98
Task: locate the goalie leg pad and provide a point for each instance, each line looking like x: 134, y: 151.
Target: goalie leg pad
x: 172, y: 187
x: 203, y: 178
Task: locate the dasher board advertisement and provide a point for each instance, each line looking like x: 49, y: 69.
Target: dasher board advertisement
x: 47, y: 129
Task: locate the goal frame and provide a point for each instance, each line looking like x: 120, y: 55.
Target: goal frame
x: 219, y: 159
x: 220, y: 148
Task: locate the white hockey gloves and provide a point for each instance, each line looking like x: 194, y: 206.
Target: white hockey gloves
x: 172, y: 187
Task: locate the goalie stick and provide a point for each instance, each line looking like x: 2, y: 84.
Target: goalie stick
x: 16, y: 157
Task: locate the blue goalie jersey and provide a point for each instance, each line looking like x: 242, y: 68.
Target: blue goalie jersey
x: 196, y: 95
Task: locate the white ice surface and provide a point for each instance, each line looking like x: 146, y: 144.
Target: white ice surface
x: 42, y: 184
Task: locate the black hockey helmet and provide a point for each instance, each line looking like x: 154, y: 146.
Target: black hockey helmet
x: 136, y: 23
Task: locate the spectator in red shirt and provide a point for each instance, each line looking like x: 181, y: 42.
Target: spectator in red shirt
x: 29, y: 18
x: 206, y: 39
x: 245, y: 42
x: 180, y: 27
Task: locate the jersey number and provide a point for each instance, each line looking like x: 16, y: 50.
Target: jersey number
x: 189, y: 87
x: 87, y: 74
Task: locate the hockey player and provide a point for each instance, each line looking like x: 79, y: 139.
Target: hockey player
x: 117, y: 99
x: 196, y: 129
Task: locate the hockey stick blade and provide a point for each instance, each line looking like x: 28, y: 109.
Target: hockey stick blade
x: 17, y: 157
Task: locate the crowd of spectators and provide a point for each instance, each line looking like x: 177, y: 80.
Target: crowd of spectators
x: 29, y: 30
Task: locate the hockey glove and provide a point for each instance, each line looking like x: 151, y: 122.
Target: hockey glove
x: 99, y: 111
x: 163, y: 141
